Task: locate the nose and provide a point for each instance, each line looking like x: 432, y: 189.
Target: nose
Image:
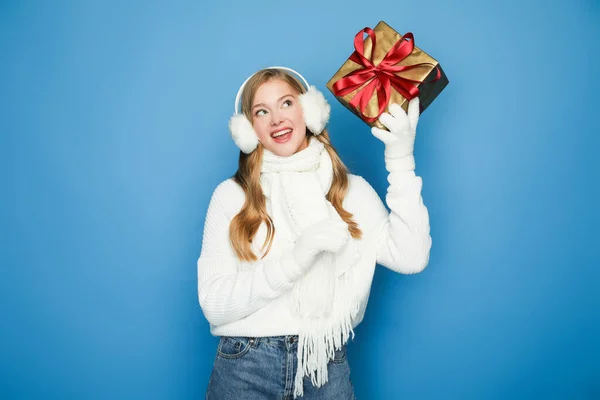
x: 276, y: 118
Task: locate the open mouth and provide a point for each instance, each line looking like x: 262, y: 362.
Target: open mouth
x: 282, y: 136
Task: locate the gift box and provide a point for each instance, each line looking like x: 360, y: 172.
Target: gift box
x: 386, y: 68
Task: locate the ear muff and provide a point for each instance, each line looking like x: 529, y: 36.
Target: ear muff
x: 315, y: 108
x: 243, y: 133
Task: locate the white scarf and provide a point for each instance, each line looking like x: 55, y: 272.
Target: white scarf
x: 324, y: 299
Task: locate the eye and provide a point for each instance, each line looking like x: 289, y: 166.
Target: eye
x: 287, y: 103
x: 260, y: 112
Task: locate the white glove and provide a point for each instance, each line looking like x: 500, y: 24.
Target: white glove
x: 399, y: 139
x: 328, y: 235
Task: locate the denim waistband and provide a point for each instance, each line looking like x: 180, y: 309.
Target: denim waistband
x: 280, y: 341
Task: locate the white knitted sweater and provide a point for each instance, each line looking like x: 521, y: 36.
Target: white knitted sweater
x: 249, y: 298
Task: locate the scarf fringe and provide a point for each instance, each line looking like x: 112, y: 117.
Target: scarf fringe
x: 321, y: 337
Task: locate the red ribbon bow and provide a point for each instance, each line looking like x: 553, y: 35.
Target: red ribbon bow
x: 381, y: 77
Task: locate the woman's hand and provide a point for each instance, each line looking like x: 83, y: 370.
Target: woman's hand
x: 399, y: 139
x: 328, y: 235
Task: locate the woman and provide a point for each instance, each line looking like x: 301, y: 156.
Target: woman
x: 291, y: 243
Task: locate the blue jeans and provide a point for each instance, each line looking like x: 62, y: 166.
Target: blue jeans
x: 264, y: 368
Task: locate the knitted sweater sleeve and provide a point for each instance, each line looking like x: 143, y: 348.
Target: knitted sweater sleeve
x: 403, y: 234
x: 229, y: 289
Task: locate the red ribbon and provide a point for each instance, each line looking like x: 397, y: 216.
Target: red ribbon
x: 381, y: 77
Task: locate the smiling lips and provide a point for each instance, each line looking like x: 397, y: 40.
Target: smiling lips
x: 282, y: 135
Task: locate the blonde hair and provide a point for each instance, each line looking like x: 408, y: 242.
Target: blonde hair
x: 245, y: 224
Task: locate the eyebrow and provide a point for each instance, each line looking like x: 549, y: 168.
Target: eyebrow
x: 278, y: 100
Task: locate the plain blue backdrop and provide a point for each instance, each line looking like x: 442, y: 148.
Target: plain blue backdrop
x: 113, y: 121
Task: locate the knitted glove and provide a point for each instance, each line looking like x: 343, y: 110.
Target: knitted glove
x: 328, y: 235
x: 399, y: 139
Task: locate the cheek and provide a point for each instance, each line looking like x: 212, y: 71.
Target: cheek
x: 261, y: 128
x: 297, y: 116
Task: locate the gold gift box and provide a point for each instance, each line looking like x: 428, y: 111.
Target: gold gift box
x: 386, y: 38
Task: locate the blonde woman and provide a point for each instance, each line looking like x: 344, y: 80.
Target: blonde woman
x: 292, y: 239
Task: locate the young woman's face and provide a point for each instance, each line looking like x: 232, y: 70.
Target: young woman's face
x: 278, y: 119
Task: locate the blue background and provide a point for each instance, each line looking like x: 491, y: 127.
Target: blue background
x: 114, y: 134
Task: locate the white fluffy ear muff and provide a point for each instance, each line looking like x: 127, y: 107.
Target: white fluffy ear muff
x: 243, y: 133
x: 316, y: 110
x: 314, y: 106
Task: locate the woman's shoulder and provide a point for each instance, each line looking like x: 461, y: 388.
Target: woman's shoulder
x: 228, y: 196
x: 228, y: 187
x: 359, y: 186
x: 362, y: 200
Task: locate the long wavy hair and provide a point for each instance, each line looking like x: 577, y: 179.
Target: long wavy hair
x: 245, y: 224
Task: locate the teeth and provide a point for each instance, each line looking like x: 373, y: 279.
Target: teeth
x: 282, y: 133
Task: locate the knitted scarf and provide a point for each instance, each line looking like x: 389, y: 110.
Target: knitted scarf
x: 325, y: 298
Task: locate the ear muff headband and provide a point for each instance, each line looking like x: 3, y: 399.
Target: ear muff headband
x: 239, y: 93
